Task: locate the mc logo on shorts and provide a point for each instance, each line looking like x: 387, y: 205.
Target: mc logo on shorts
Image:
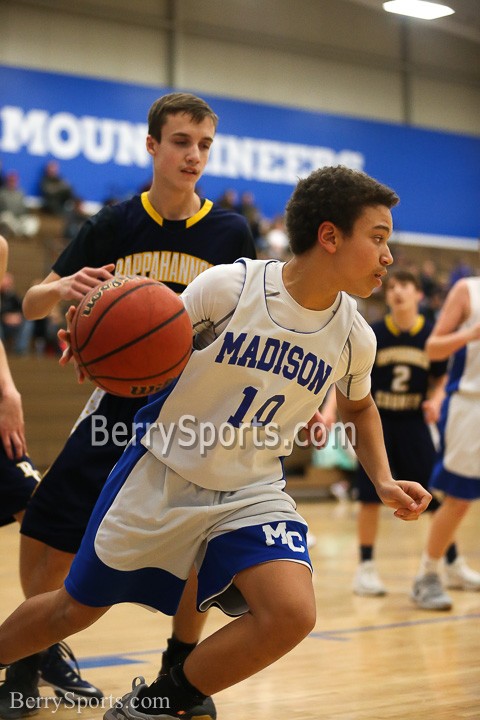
x: 287, y: 538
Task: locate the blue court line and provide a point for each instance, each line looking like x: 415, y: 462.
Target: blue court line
x: 96, y: 661
x: 132, y: 658
x: 334, y: 634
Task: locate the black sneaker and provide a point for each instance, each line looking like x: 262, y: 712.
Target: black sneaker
x: 128, y: 708
x: 59, y: 669
x: 19, y: 691
x: 206, y: 710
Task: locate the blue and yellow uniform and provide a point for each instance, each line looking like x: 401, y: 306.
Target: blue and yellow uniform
x: 18, y: 479
x: 134, y: 237
x: 400, y: 381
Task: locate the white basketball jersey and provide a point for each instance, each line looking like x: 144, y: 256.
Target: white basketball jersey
x: 239, y: 402
x: 465, y: 369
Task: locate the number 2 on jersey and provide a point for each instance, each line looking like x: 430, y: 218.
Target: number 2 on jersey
x: 401, y: 378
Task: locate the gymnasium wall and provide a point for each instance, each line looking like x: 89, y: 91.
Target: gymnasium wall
x: 337, y: 56
x: 332, y: 79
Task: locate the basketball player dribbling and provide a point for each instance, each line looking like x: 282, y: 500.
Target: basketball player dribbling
x: 168, y: 233
x: 271, y: 338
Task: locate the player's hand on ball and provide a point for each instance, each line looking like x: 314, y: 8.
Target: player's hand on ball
x: 76, y: 286
x: 64, y: 337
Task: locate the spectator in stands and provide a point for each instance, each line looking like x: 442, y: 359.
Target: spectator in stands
x: 432, y: 289
x: 429, y: 278
x: 276, y: 240
x: 461, y: 270
x: 55, y: 191
x: 228, y: 200
x: 15, y: 218
x: 15, y: 330
x: 252, y: 214
x: 45, y: 338
x: 74, y: 220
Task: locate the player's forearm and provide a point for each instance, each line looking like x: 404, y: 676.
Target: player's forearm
x: 40, y: 299
x: 366, y: 437
x: 7, y: 386
x: 436, y: 389
x: 440, y: 347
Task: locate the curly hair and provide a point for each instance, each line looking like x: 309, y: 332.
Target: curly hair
x: 175, y: 103
x: 336, y: 194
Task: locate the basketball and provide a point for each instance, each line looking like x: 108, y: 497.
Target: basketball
x: 131, y: 336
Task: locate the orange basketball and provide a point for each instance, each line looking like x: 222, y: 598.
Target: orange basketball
x: 131, y: 336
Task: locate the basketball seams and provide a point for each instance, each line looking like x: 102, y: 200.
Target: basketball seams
x: 129, y: 291
x: 136, y: 340
x: 149, y: 337
x: 99, y: 378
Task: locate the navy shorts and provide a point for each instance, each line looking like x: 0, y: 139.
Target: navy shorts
x: 60, y: 509
x: 411, y: 454
x: 18, y: 480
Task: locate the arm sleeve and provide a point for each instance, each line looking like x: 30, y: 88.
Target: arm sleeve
x: 438, y: 368
x: 357, y: 360
x: 211, y: 299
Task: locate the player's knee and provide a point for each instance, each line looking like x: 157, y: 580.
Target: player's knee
x: 304, y: 618
x: 457, y: 506
x: 293, y: 620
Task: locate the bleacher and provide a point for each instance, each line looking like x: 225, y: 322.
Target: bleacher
x: 52, y: 398
x: 52, y: 401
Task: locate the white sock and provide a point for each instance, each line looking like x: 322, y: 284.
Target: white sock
x: 428, y: 565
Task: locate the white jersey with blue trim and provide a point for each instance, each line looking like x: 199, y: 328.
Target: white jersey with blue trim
x: 238, y: 404
x: 464, y: 375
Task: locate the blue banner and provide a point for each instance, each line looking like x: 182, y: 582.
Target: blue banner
x: 96, y: 130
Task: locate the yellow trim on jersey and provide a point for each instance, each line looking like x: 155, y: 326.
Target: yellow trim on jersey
x: 148, y: 207
x: 204, y: 210
x: 395, y: 330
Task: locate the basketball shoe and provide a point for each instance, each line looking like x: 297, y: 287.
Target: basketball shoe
x: 207, y: 709
x: 19, y: 690
x: 461, y: 577
x: 367, y: 580
x: 428, y: 593
x: 128, y: 708
x: 59, y: 669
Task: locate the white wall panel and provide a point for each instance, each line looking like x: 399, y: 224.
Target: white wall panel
x: 339, y: 56
x: 294, y: 80
x: 48, y: 40
x: 446, y: 106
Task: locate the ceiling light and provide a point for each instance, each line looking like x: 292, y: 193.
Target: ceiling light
x: 418, y: 9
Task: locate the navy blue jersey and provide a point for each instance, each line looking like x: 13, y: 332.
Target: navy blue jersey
x: 402, y: 370
x: 140, y: 242
x: 400, y: 382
